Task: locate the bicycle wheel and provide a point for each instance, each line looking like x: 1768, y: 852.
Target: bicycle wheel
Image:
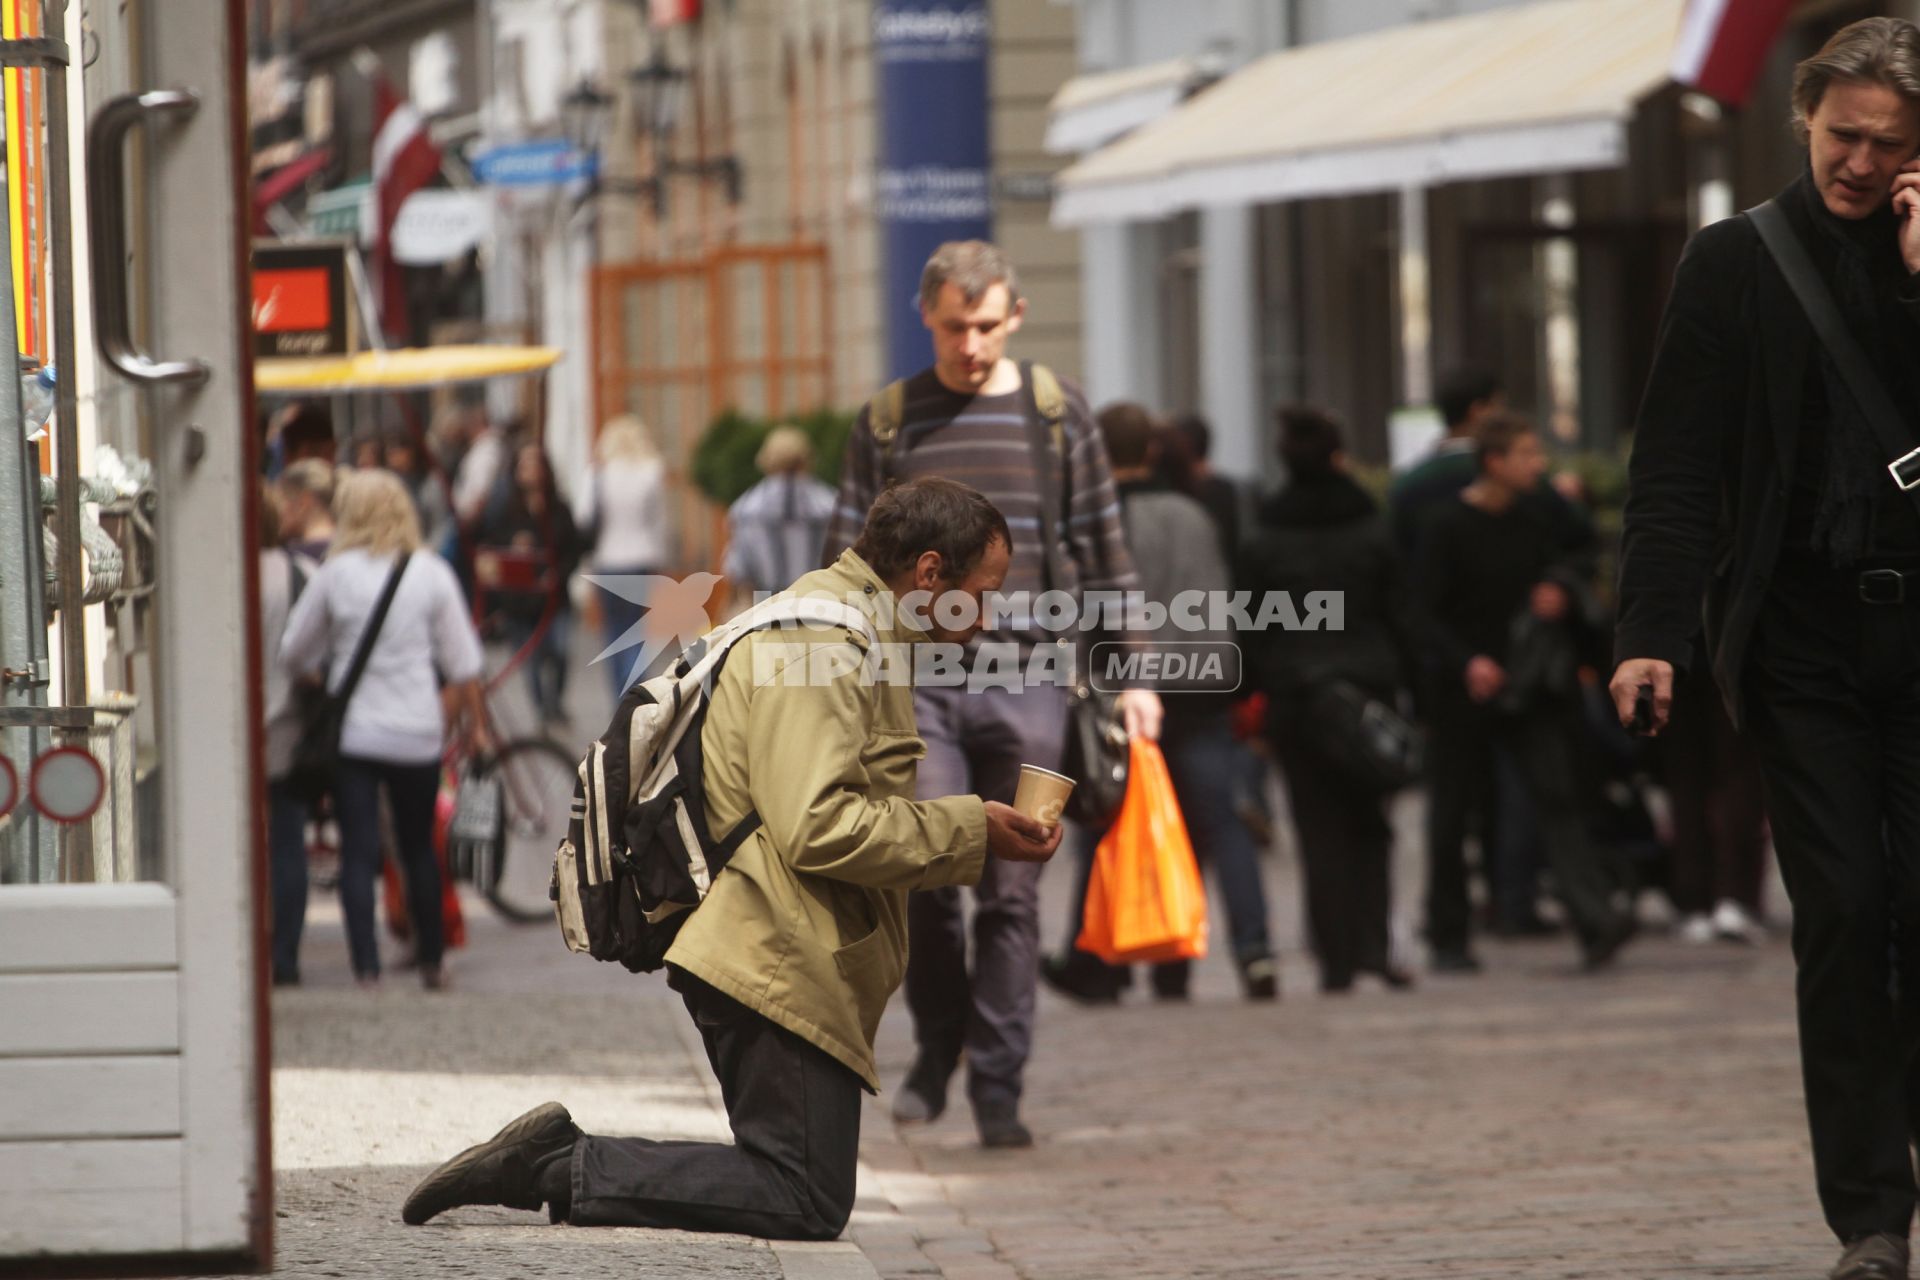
x: 537, y: 778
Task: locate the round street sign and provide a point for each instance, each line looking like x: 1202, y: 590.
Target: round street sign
x: 9, y: 786
x: 67, y: 785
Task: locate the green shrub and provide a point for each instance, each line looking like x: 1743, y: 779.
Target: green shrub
x: 723, y: 466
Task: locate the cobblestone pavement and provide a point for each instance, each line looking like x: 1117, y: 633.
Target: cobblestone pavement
x: 1640, y: 1125
x: 1532, y: 1122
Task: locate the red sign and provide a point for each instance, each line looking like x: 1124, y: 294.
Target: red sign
x: 9, y: 786
x: 290, y: 301
x: 67, y: 785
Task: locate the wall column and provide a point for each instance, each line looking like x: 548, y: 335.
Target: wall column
x: 1230, y: 337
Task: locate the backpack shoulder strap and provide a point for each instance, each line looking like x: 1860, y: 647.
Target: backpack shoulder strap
x: 885, y: 412
x: 1050, y: 402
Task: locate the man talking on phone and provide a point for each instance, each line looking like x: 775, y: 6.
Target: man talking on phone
x: 1786, y: 380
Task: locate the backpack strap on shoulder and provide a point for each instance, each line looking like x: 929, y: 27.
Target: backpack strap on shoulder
x: 886, y: 411
x: 1050, y: 402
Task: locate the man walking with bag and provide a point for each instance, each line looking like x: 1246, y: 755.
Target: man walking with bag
x: 1785, y: 384
x: 979, y: 417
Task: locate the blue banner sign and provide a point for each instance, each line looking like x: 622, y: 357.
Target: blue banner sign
x: 935, y: 157
x: 541, y: 162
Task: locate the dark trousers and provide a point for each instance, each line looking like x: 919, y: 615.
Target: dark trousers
x: 546, y: 666
x: 1833, y: 696
x: 976, y: 743
x: 1205, y: 763
x: 1346, y: 843
x: 1719, y: 809
x: 1545, y: 745
x: 618, y: 616
x: 411, y: 791
x: 789, y: 1175
x: 287, y: 864
x: 1460, y: 795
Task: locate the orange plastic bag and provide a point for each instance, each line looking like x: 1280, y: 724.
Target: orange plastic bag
x: 1144, y: 899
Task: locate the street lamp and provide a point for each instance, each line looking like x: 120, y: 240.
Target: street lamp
x: 583, y: 116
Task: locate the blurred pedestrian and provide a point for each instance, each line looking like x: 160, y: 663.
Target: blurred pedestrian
x: 482, y: 473
x: 1760, y: 483
x: 1717, y: 792
x: 1505, y: 628
x: 622, y: 506
x: 395, y: 725
x: 787, y: 963
x: 978, y: 416
x: 405, y: 458
x: 305, y: 493
x: 1185, y: 460
x: 775, y: 529
x: 534, y: 534
x: 1427, y: 487
x: 1323, y: 532
x: 1176, y: 550
x: 297, y: 431
x: 281, y: 583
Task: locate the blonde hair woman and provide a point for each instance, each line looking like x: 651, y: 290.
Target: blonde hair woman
x: 622, y: 509
x: 395, y: 726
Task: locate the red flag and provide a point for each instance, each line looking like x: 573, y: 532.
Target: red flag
x: 667, y: 13
x: 1723, y: 44
x: 404, y: 160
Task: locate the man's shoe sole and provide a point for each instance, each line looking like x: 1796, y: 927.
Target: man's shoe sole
x: 440, y: 1190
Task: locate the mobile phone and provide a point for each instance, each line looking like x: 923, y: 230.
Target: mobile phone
x: 1641, y: 726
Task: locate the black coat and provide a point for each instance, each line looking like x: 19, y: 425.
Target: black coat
x: 1711, y: 476
x: 1328, y: 535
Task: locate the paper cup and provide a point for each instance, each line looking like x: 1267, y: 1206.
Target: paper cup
x: 1042, y: 794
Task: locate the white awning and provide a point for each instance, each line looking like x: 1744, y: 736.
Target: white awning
x: 1536, y: 88
x: 1092, y: 110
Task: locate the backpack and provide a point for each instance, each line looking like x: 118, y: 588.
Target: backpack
x: 639, y: 856
x: 888, y: 409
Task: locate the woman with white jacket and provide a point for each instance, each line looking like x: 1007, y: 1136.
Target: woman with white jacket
x: 396, y: 720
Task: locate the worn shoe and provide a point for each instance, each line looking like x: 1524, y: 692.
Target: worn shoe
x: 1876, y: 1257
x: 1600, y: 952
x: 502, y: 1170
x: 1260, y: 978
x: 1455, y: 960
x: 923, y: 1094
x: 1696, y: 930
x: 1082, y: 977
x: 1733, y: 923
x: 1000, y: 1127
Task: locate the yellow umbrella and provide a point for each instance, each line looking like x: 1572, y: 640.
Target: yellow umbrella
x: 410, y: 368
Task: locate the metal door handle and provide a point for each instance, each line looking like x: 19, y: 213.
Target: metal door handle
x: 106, y: 223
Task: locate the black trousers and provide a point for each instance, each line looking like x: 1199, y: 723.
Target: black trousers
x: 1345, y: 846
x: 1719, y: 807
x: 1546, y: 745
x: 1833, y: 697
x: 789, y: 1175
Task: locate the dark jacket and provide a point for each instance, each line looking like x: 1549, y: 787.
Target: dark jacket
x: 1711, y: 476
x: 1328, y: 535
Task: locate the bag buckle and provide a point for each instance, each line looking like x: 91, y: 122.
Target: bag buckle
x: 1905, y: 470
x: 1883, y: 586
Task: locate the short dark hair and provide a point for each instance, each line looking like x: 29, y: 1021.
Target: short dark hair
x: 1195, y: 431
x: 1127, y: 429
x: 930, y: 514
x: 308, y: 429
x: 971, y: 266
x: 1460, y: 390
x: 1309, y: 438
x: 1497, y: 435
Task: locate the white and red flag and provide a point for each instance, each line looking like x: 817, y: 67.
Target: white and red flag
x: 404, y: 161
x: 667, y: 13
x: 1724, y: 43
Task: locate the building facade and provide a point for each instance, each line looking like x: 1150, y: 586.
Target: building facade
x: 1295, y: 276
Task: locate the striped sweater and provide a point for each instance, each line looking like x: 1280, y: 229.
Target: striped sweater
x: 984, y: 441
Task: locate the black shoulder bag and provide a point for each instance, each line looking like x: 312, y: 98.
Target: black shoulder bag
x: 316, y: 759
x: 1096, y: 754
x: 1848, y: 359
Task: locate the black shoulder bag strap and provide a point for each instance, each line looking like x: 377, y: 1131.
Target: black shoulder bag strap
x: 1895, y: 438
x: 364, y: 649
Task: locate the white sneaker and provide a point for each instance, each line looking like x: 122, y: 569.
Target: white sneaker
x: 1731, y: 923
x: 1696, y: 930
